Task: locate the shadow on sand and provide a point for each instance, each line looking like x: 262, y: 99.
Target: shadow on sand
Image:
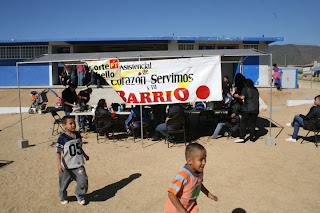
x: 110, y: 191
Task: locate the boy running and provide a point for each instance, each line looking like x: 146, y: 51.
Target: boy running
x: 187, y: 184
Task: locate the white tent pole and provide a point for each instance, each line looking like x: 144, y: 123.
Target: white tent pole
x: 22, y: 143
x: 270, y: 94
x: 141, y: 122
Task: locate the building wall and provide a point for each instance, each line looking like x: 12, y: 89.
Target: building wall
x: 30, y: 74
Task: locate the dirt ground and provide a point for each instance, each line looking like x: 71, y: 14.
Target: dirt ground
x: 124, y: 177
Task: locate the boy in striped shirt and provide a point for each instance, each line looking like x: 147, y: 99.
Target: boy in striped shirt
x: 187, y: 183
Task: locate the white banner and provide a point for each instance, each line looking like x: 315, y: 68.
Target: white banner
x: 170, y: 81
x: 109, y: 69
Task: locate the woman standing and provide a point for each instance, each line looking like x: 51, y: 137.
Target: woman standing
x: 249, y: 110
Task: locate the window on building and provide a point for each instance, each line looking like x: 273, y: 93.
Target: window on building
x: 23, y: 52
x: 227, y: 47
x: 186, y: 46
x: 206, y: 47
x: 251, y: 46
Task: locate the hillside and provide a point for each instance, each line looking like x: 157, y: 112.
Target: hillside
x: 296, y: 54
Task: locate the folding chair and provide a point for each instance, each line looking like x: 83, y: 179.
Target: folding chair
x: 316, y: 129
x: 178, y: 120
x: 135, y: 127
x: 57, y: 121
x: 105, y: 124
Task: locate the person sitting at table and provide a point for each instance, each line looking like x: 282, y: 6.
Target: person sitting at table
x: 175, y: 110
x: 103, y: 110
x: 232, y: 122
x: 69, y: 98
x: 135, y: 111
x: 84, y: 97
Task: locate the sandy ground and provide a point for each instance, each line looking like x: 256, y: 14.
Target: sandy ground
x: 124, y: 177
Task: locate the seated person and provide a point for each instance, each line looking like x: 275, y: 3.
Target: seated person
x: 233, y: 121
x: 83, y: 99
x: 199, y: 106
x: 101, y: 111
x: 305, y: 121
x: 135, y: 111
x: 175, y: 110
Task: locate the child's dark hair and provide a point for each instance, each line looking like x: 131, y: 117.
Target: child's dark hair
x: 274, y: 65
x: 65, y: 118
x: 192, y: 149
x: 318, y: 96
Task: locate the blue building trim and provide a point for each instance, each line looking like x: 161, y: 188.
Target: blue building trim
x: 251, y: 68
x: 30, y: 74
x: 159, y: 38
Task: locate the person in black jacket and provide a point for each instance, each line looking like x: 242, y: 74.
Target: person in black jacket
x: 103, y: 111
x: 69, y: 99
x: 175, y: 110
x: 249, y: 109
x: 305, y: 121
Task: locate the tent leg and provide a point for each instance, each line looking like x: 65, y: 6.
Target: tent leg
x: 22, y: 143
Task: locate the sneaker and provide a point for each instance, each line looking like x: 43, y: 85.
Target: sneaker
x: 62, y: 201
x: 81, y: 200
x: 289, y: 125
x: 239, y: 140
x: 291, y: 140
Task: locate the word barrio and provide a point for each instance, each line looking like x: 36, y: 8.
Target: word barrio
x: 170, y: 81
x: 109, y: 69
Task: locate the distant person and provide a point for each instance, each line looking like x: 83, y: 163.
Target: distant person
x: 70, y: 161
x: 276, y: 77
x: 249, y: 109
x: 187, y: 183
x: 95, y: 78
x: 80, y: 72
x: 69, y: 99
x: 305, y: 121
x: 226, y: 87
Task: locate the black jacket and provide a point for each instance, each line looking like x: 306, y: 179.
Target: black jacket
x: 311, y: 117
x: 251, y: 100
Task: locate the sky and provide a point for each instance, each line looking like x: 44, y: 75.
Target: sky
x: 295, y: 20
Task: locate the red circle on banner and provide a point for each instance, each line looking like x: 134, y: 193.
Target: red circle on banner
x: 203, y: 92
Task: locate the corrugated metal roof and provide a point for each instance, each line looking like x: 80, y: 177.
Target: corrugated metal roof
x: 148, y: 38
x: 142, y: 54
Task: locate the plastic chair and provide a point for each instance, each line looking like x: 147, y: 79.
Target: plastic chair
x: 57, y: 121
x: 315, y: 129
x: 105, y: 124
x: 176, y: 121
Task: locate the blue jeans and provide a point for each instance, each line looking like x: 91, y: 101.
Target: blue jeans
x: 162, y: 129
x: 218, y: 129
x: 80, y: 78
x: 297, y: 123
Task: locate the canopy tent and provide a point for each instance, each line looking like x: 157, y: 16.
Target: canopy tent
x: 142, y: 55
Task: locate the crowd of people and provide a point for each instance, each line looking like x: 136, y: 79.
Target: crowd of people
x: 183, y: 191
x: 80, y: 75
